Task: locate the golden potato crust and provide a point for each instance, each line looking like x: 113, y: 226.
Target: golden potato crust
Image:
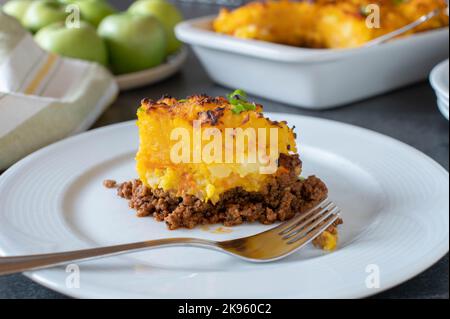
x: 323, y: 23
x: 157, y: 120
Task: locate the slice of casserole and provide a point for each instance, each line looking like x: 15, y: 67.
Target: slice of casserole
x: 207, y: 160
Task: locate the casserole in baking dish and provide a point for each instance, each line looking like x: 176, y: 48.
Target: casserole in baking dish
x: 310, y: 77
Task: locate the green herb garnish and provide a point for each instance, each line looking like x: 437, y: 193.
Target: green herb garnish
x: 239, y: 101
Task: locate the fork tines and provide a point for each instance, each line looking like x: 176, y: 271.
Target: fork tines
x: 308, y: 226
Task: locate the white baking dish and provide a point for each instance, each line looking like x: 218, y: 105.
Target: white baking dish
x: 313, y: 78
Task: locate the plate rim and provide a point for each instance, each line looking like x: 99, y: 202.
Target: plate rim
x: 432, y: 256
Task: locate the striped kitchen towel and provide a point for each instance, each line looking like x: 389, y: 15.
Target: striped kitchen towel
x: 44, y: 97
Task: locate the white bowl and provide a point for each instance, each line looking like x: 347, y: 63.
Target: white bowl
x: 443, y: 99
x: 439, y: 79
x: 313, y: 78
x: 444, y: 108
x: 153, y: 75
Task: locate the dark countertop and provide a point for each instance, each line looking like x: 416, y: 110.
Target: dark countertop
x: 409, y: 115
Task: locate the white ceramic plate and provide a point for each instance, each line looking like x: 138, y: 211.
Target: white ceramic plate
x: 395, y: 203
x: 153, y: 75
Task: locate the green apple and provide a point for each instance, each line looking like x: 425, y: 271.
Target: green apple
x: 16, y: 8
x: 135, y: 42
x: 94, y: 11
x: 166, y: 12
x: 80, y: 42
x: 41, y: 13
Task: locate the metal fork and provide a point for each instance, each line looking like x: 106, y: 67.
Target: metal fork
x: 267, y: 246
x: 391, y: 35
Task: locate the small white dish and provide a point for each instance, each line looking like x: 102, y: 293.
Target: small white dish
x: 443, y: 108
x: 439, y: 79
x: 313, y: 78
x: 443, y: 98
x: 150, y: 76
x: 394, y: 200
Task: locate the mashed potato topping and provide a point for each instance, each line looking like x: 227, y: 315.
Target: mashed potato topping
x: 158, y: 120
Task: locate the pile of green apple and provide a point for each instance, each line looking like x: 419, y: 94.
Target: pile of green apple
x: 137, y: 39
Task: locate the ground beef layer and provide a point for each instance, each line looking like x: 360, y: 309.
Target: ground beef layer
x: 283, y: 196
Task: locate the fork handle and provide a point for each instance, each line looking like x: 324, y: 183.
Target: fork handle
x: 11, y: 265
